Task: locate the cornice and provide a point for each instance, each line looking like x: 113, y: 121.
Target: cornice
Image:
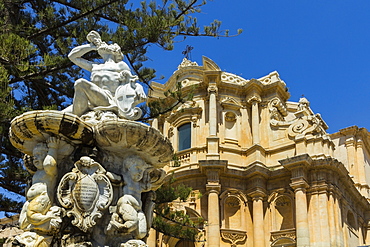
x: 296, y: 161
x: 360, y: 134
x: 220, y: 165
x: 257, y: 169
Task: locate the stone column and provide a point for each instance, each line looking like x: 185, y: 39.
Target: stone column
x: 338, y: 230
x: 212, y: 90
x: 155, y: 123
x: 351, y: 154
x: 367, y: 230
x: 298, y: 166
x: 213, y: 235
x: 258, y: 224
x: 324, y: 218
x: 212, y: 139
x: 332, y: 220
x: 360, y: 164
x: 152, y: 238
x: 212, y: 169
x: 302, y: 230
x: 254, y: 100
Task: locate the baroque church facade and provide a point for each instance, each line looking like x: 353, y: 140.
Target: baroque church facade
x: 268, y: 172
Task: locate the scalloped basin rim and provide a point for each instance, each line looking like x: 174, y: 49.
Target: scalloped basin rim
x: 35, y: 126
x: 121, y: 136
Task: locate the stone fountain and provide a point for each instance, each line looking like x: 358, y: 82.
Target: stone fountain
x: 94, y: 168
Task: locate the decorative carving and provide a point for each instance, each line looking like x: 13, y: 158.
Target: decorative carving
x: 38, y: 214
x: 230, y: 103
x: 186, y: 63
x: 303, y: 104
x: 305, y: 121
x: 31, y: 128
x: 85, y: 192
x: 189, y: 110
x: 271, y: 78
x: 232, y: 202
x: 277, y: 112
x: 212, y: 89
x: 306, y: 125
x: 234, y: 79
x: 235, y: 237
x: 230, y: 117
x: 289, y: 233
x: 170, y: 132
x: 254, y: 97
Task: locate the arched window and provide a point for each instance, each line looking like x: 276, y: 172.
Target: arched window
x: 184, y: 136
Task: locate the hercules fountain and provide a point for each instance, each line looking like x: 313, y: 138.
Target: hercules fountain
x: 94, y: 168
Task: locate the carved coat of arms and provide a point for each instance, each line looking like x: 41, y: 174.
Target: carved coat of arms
x: 86, y: 192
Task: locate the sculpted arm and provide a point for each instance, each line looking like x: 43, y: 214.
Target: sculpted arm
x: 76, y: 56
x: 50, y: 161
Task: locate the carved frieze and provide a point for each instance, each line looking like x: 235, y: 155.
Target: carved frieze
x: 234, y: 79
x: 234, y: 237
x: 288, y: 234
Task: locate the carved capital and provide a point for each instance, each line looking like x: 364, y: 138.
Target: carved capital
x: 299, y: 185
x: 254, y: 97
x: 257, y: 195
x: 213, y: 188
x: 212, y: 89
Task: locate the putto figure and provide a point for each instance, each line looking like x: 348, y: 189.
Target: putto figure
x: 111, y: 88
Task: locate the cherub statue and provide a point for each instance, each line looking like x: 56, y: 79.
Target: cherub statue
x: 112, y: 87
x: 130, y: 214
x: 37, y: 213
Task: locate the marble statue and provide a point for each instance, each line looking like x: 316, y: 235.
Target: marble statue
x: 94, y: 170
x: 45, y: 160
x: 112, y: 87
x: 129, y: 215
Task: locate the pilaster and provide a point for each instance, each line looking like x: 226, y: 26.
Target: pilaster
x: 213, y: 139
x: 213, y: 169
x: 254, y: 99
x: 258, y: 197
x: 298, y: 166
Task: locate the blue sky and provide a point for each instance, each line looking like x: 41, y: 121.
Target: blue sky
x: 321, y: 50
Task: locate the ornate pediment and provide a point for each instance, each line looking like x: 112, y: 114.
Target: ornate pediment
x: 208, y: 64
x: 230, y: 103
x: 189, y: 111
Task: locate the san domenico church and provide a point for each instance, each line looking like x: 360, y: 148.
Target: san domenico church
x: 267, y: 171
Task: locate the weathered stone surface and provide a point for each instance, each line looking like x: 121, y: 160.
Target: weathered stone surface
x: 33, y: 127
x: 125, y: 137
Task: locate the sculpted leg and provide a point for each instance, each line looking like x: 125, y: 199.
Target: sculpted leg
x: 87, y: 95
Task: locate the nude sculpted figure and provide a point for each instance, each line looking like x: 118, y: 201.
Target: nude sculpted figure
x: 38, y: 213
x: 130, y: 215
x: 112, y: 87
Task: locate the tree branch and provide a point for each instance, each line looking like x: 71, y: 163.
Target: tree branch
x: 75, y: 18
